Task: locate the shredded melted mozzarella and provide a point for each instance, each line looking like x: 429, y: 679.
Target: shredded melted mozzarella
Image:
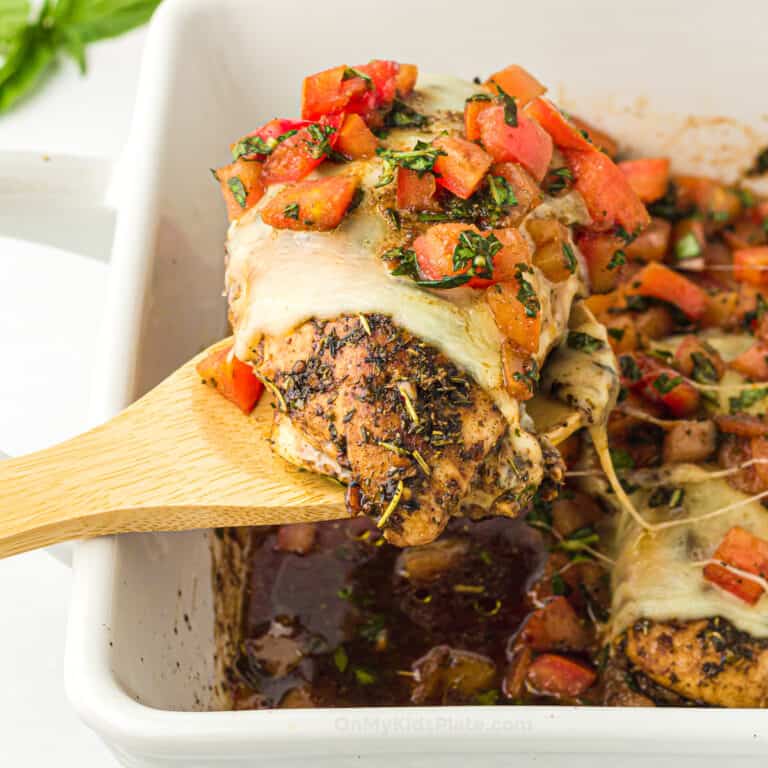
x: 658, y: 575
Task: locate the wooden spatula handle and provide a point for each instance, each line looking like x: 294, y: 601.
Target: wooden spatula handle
x: 180, y: 458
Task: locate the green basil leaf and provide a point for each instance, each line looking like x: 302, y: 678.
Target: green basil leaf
x: 26, y: 63
x: 100, y: 19
x: 74, y: 46
x: 14, y: 15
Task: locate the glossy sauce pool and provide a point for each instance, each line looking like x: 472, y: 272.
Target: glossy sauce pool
x: 344, y: 624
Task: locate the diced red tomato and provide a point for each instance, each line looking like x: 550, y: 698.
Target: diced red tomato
x: 518, y: 368
x: 758, y: 447
x: 553, y: 255
x: 555, y: 627
x: 434, y: 253
x: 516, y: 81
x: 405, y: 80
x: 355, y: 138
x: 271, y: 131
x: 599, y: 251
x: 745, y: 551
x: 665, y: 386
x: 652, y: 243
x: 319, y: 204
x: 693, y: 350
x: 558, y: 675
x: 526, y: 189
x: 384, y: 75
x: 527, y: 143
x: 434, y: 250
x: 328, y: 93
x: 599, y: 138
x: 681, y: 401
x: 521, y: 328
x: 742, y: 424
x: 563, y: 132
x: 660, y: 282
x: 415, y: 192
x: 463, y: 166
x: 472, y: 110
x: 515, y: 250
x: 232, y: 378
x: 648, y: 177
x: 241, y: 185
x: 606, y: 191
x: 750, y: 265
x: 712, y: 198
x: 300, y: 154
x: 753, y: 363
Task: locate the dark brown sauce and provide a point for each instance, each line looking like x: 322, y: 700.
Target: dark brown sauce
x: 344, y: 624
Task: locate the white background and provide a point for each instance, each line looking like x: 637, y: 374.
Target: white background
x: 50, y: 309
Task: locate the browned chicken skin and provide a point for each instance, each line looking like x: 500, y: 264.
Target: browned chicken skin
x: 706, y: 661
x: 412, y: 435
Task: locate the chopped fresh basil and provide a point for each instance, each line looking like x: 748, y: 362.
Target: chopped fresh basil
x: 486, y: 698
x: 560, y: 179
x: 526, y: 294
x: 664, y: 383
x: 616, y: 333
x: 629, y: 368
x: 237, y: 188
x: 747, y: 399
x: 510, y: 106
x: 364, y: 676
x: 760, y: 165
x: 340, y: 658
x: 253, y: 145
x: 559, y: 587
x: 501, y: 192
x: 569, y: 256
x: 666, y: 496
x: 584, y: 342
x: 637, y: 303
x: 618, y: 258
x: 420, y: 159
x: 480, y: 97
x: 687, y: 247
x: 579, y: 540
x: 406, y: 259
x: 403, y: 116
x: 529, y: 376
x: 621, y: 459
x: 350, y: 73
x: 704, y: 370
x: 291, y: 211
x: 745, y: 196
x: 478, y: 251
x: 320, y: 145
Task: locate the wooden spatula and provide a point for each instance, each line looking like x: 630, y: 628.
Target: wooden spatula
x: 180, y: 458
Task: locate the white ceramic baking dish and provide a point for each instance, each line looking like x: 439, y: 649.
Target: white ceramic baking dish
x: 140, y: 641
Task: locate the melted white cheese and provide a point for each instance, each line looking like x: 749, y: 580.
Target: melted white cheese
x: 656, y: 576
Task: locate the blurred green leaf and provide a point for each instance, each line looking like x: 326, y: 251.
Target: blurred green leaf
x: 100, y: 19
x: 75, y: 47
x: 14, y: 15
x: 26, y: 63
x: 28, y: 48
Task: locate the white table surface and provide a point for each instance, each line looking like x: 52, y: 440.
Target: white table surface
x: 46, y: 349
